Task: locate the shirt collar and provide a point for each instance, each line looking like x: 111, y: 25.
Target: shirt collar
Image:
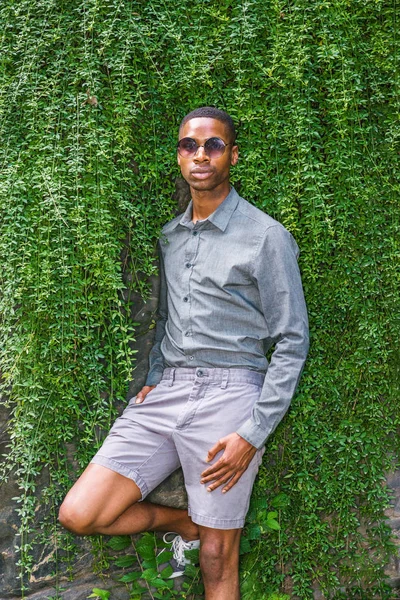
x: 220, y: 217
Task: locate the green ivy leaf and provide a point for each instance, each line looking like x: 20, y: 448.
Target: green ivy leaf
x: 100, y: 594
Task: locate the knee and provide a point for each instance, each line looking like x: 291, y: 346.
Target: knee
x: 75, y: 519
x: 217, y: 560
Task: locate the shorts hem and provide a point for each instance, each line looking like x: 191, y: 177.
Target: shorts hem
x: 216, y: 523
x: 115, y: 466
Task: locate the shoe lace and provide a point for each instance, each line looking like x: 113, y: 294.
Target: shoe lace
x: 178, y: 546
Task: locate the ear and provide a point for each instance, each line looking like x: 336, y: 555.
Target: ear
x: 178, y: 156
x: 234, y: 155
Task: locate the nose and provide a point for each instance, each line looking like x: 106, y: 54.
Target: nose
x: 200, y: 154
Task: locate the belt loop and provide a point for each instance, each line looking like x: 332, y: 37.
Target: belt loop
x: 225, y: 377
x: 171, y: 377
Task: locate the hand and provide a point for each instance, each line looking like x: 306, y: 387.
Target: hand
x: 231, y: 465
x: 143, y: 393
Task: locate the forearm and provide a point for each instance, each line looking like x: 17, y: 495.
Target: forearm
x: 285, y: 312
x: 279, y: 387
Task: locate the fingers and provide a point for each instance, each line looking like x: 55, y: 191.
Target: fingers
x: 219, y: 468
x: 143, y: 393
x: 222, y: 472
x: 230, y: 478
x: 228, y: 469
x: 214, y: 450
x: 232, y: 482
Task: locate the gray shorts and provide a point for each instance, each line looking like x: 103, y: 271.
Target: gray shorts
x: 176, y: 425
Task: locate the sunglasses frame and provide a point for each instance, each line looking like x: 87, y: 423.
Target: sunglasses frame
x: 190, y: 154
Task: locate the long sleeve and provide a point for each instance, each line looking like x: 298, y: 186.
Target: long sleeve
x: 156, y: 359
x: 277, y: 276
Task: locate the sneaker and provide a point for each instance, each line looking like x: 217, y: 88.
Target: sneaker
x: 178, y: 560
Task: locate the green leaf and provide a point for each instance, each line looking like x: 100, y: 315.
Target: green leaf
x: 244, y: 545
x: 192, y: 555
x: 165, y: 573
x: 191, y: 570
x: 164, y: 557
x: 150, y: 574
x: 162, y: 584
x: 253, y: 532
x: 280, y: 501
x: 121, y: 542
x: 272, y: 515
x: 101, y: 594
x: 272, y: 524
x: 146, y: 547
x: 130, y: 577
x: 126, y: 561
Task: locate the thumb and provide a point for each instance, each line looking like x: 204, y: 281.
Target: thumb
x: 214, y: 450
x: 143, y: 393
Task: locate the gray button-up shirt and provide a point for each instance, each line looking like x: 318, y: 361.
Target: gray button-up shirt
x: 231, y: 289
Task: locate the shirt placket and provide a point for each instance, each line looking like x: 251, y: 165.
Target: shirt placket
x: 190, y: 256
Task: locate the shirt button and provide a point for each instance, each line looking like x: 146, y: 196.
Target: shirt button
x: 200, y: 373
x: 195, y: 232
x: 188, y: 334
x: 186, y: 299
x: 188, y: 265
x: 191, y: 357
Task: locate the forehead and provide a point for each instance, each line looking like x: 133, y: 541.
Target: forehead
x: 202, y: 128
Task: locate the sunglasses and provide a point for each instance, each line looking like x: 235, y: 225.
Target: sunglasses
x: 213, y: 147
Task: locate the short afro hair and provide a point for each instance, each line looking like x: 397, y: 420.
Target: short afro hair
x: 212, y: 113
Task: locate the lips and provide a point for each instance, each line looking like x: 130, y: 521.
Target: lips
x: 201, y: 173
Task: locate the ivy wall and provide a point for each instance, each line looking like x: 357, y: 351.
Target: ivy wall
x: 90, y: 98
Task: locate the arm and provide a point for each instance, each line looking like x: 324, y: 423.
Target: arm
x: 277, y: 277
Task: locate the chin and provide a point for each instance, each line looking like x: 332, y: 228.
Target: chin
x: 205, y: 186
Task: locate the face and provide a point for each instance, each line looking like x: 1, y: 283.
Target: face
x: 201, y: 172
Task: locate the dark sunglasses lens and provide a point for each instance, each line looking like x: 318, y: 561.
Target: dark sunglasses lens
x: 187, y: 147
x: 214, y: 147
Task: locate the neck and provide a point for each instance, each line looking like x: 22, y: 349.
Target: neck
x: 205, y: 202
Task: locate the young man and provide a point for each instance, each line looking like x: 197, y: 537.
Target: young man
x: 230, y: 289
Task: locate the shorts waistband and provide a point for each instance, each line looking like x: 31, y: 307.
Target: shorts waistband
x: 216, y: 375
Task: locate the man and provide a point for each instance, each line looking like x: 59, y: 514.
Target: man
x: 230, y: 289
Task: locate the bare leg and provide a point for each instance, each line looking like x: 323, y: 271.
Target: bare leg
x: 102, y: 501
x: 147, y: 516
x: 219, y: 563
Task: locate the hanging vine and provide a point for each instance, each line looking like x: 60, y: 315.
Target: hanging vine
x: 91, y: 95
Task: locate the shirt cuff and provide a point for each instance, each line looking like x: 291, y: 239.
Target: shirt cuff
x: 252, y: 433
x: 154, y: 378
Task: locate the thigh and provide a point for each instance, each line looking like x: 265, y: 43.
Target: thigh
x: 140, y: 445
x: 220, y: 412
x: 100, y: 495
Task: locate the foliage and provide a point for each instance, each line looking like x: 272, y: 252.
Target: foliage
x: 145, y: 561
x: 151, y: 578
x: 91, y: 96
